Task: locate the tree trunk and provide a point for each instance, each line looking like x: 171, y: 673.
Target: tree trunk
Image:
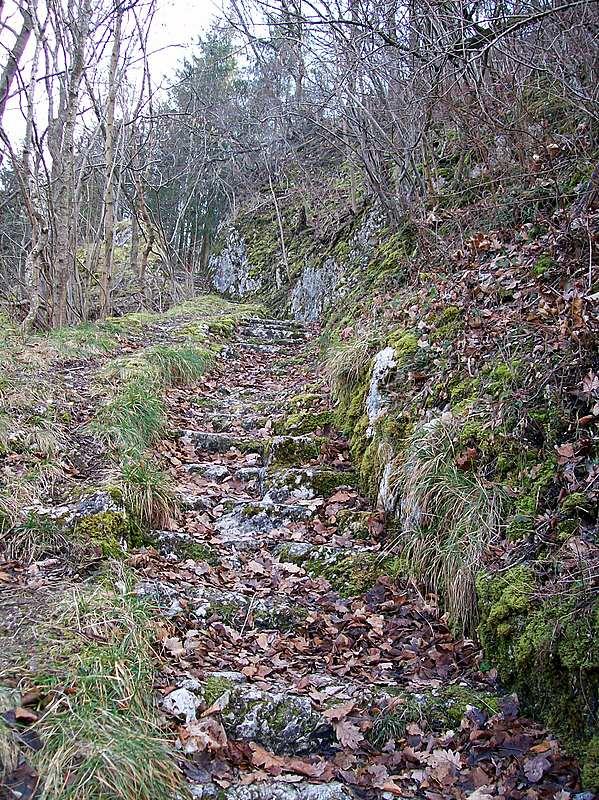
x: 109, y: 193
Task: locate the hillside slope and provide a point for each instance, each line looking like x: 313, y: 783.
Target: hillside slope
x: 461, y: 348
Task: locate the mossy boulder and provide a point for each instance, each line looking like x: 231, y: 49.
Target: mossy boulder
x: 281, y: 722
x: 108, y: 530
x: 303, y: 422
x: 280, y: 484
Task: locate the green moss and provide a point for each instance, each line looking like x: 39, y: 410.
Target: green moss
x: 197, y: 331
x: 590, y: 770
x: 305, y: 422
x: 353, y: 574
x: 199, y: 552
x: 108, y: 530
x: 502, y: 597
x: 447, y: 325
x: 547, y: 650
x: 294, y: 450
x: 575, y: 503
x: 405, y: 344
x: 354, y: 523
x: 250, y: 510
x: 535, y: 486
x: 214, y: 687
x: 464, y: 391
x: 223, y: 326
x: 438, y: 710
x: 520, y: 526
x: 304, y: 402
x: 544, y: 263
x: 503, y: 377
x: 392, y: 255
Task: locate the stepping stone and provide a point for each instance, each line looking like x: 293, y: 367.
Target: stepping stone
x: 184, y: 546
x: 274, y: 612
x: 219, y: 472
x: 281, y: 722
x: 280, y: 790
x: 245, y: 526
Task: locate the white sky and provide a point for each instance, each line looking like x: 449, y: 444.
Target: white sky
x: 177, y: 25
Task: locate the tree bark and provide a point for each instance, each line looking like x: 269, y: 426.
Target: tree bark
x: 109, y: 193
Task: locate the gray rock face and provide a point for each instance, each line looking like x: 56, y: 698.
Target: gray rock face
x: 322, y: 280
x: 231, y: 268
x: 313, y: 292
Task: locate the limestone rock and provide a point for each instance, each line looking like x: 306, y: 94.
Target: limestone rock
x: 384, y: 366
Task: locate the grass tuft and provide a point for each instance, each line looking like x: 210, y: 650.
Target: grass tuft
x: 34, y: 538
x: 148, y: 493
x: 448, y: 517
x: 133, y: 418
x: 179, y: 365
x: 347, y: 363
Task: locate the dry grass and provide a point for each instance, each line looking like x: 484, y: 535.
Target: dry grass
x: 346, y: 364
x: 101, y: 739
x: 448, y: 516
x: 148, y: 493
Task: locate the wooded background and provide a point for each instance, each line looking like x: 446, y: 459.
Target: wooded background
x: 111, y: 195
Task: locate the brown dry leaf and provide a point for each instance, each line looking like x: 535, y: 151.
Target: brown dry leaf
x: 207, y: 734
x: 337, y: 713
x: 25, y: 715
x: 348, y: 734
x: 341, y: 496
x: 174, y: 646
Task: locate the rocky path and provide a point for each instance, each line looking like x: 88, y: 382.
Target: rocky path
x: 295, y: 666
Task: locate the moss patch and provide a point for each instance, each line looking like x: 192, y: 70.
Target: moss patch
x: 304, y: 422
x: 109, y: 531
x: 438, y: 711
x: 353, y: 574
x: 294, y: 450
x: 547, y: 650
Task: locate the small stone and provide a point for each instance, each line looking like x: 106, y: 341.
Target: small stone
x: 181, y: 703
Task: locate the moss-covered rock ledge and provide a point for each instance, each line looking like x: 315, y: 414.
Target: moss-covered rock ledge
x: 547, y: 650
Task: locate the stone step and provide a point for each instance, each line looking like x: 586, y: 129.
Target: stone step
x: 277, y: 790
x: 246, y: 611
x: 221, y: 442
x: 222, y: 472
x: 293, y: 450
x: 284, y: 721
x: 224, y: 422
x: 245, y: 526
x: 266, y: 347
x: 288, y: 327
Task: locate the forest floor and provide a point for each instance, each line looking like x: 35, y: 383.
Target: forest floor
x: 291, y: 660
